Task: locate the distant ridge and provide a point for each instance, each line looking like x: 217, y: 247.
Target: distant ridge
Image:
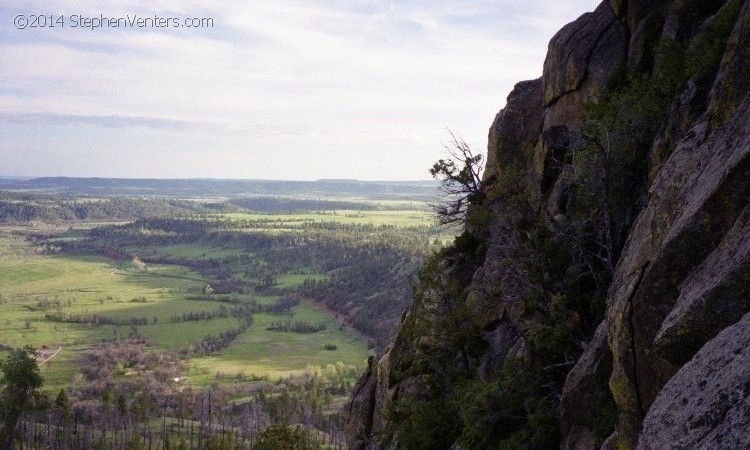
x: 205, y: 187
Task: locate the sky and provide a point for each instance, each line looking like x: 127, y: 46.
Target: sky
x: 278, y: 89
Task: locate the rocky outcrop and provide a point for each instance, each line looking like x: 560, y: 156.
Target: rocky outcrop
x: 512, y: 138
x: 732, y: 83
x: 715, y: 295
x: 515, y: 126
x: 580, y: 59
x: 675, y: 269
x: 585, y: 393
x: 365, y: 409
x: 707, y: 402
x: 696, y: 201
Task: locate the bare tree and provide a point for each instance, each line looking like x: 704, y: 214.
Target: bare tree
x: 138, y: 265
x: 460, y: 182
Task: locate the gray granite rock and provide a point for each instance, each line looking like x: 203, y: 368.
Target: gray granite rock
x: 706, y: 405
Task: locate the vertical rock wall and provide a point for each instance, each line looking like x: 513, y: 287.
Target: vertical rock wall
x: 682, y: 279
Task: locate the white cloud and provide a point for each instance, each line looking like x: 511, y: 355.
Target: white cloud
x: 324, y: 84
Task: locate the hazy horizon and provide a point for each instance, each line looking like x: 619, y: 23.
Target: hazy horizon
x: 283, y: 90
x: 33, y: 177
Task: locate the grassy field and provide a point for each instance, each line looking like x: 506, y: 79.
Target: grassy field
x: 397, y: 218
x: 185, y: 251
x: 34, y: 284
x: 277, y: 354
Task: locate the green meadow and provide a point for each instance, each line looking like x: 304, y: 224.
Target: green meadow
x: 407, y: 218
x: 277, y: 354
x: 33, y: 285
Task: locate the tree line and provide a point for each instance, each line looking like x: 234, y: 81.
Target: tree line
x: 296, y: 326
x: 47, y: 208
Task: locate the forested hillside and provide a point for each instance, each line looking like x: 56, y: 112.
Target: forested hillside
x: 20, y: 208
x: 366, y: 266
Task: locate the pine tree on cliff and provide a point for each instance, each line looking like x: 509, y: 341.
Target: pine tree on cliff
x: 460, y: 181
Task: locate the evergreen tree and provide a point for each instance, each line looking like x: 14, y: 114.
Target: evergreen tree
x: 21, y: 381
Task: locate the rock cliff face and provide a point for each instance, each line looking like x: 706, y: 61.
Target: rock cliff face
x: 600, y: 294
